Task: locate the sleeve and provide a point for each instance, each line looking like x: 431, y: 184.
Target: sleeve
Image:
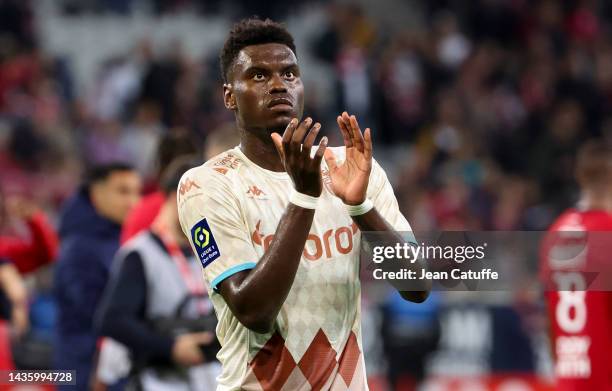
x: 211, y: 217
x: 39, y: 249
x: 122, y: 312
x: 381, y: 193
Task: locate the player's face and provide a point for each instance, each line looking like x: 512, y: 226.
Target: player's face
x: 265, y: 89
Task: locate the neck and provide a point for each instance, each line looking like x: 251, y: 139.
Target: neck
x: 596, y: 200
x: 258, y: 146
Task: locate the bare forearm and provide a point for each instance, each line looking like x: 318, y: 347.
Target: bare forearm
x: 373, y: 221
x: 256, y: 297
x: 13, y: 285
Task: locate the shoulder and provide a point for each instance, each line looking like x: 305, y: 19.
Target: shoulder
x: 227, y: 163
x: 599, y: 220
x: 378, y: 176
x: 220, y: 171
x: 577, y: 220
x: 204, y: 179
x: 210, y: 188
x: 135, y: 244
x: 569, y: 220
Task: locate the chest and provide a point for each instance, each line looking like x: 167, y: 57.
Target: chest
x: 333, y: 234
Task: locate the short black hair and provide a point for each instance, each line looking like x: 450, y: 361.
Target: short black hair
x: 101, y: 172
x: 252, y: 31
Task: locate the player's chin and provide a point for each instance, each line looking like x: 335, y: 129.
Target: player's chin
x: 279, y: 121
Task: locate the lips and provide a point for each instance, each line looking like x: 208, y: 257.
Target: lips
x: 280, y: 101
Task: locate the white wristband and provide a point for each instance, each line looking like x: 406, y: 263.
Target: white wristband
x: 303, y: 200
x: 361, y: 209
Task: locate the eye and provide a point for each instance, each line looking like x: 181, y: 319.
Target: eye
x: 258, y: 76
x: 289, y: 74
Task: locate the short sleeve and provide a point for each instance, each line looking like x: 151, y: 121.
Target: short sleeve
x: 211, y: 217
x: 381, y: 193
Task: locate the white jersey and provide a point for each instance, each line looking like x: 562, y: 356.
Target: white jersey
x: 230, y: 208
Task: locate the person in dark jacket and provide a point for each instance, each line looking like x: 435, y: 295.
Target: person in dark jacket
x: 156, y: 304
x: 89, y: 237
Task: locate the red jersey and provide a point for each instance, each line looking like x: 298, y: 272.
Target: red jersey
x: 576, y: 256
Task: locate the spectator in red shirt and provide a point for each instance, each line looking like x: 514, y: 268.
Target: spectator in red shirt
x: 29, y: 253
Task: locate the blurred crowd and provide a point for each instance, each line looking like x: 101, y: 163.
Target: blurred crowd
x: 495, y: 97
x: 477, y: 109
x: 483, y: 104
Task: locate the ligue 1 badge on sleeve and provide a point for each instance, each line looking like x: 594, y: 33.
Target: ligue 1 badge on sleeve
x: 204, y: 243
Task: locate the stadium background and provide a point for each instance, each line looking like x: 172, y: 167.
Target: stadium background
x: 476, y: 107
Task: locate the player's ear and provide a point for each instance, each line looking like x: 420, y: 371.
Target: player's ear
x: 228, y: 97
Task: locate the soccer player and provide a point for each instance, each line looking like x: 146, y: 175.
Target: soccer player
x: 578, y: 245
x: 277, y: 228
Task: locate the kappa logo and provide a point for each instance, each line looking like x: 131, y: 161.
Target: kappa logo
x: 187, y: 185
x: 256, y: 192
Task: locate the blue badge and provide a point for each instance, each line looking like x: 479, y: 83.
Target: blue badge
x: 204, y: 243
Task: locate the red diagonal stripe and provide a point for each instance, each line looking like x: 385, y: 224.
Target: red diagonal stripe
x: 273, y: 364
x: 349, y: 359
x: 319, y: 361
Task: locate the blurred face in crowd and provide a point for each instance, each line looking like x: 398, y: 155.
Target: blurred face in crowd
x: 115, y: 196
x: 264, y: 87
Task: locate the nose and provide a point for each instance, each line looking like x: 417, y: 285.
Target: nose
x: 277, y: 84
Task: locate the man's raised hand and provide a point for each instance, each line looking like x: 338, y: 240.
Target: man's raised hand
x: 350, y: 179
x: 294, y: 150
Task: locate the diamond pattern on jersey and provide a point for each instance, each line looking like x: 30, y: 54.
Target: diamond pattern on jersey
x: 349, y: 359
x: 273, y: 364
x: 319, y: 361
x: 275, y: 369
x: 321, y: 298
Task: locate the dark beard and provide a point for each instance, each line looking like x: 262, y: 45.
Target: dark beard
x: 279, y: 129
x: 265, y: 133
